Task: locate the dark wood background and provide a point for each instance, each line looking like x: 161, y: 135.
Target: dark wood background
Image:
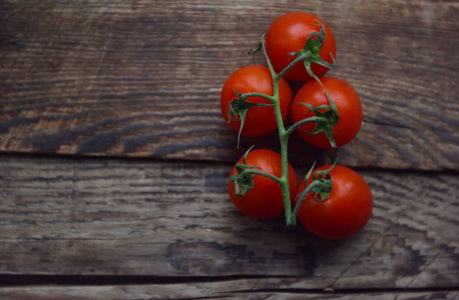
x: 114, y: 155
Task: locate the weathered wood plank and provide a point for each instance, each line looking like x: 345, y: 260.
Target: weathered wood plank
x: 140, y: 217
x: 233, y: 289
x: 144, y: 78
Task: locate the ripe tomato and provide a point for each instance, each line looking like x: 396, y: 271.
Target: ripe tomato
x: 288, y: 34
x: 344, y: 212
x: 259, y: 120
x: 264, y: 200
x: 347, y: 102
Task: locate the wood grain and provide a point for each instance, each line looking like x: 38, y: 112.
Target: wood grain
x: 143, y: 78
x: 78, y: 216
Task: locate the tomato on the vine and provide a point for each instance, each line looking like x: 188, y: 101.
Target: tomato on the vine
x: 348, y: 105
x: 259, y: 120
x: 264, y: 200
x: 288, y: 34
x: 344, y: 212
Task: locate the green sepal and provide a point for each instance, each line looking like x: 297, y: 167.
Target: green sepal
x: 324, y: 188
x: 311, y: 50
x: 315, y: 40
x: 242, y: 184
x: 309, y: 173
x: 330, y: 117
x: 243, y: 181
x: 238, y: 108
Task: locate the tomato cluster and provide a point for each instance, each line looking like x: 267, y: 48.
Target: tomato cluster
x: 333, y: 202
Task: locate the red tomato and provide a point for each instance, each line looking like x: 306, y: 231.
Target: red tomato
x: 347, y: 102
x: 288, y: 34
x: 264, y: 200
x: 344, y: 212
x: 259, y: 120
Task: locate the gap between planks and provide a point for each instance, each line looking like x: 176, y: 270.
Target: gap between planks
x: 9, y: 281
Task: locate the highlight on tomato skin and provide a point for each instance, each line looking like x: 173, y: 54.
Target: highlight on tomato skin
x: 288, y: 34
x: 347, y: 102
x: 259, y: 120
x: 344, y: 212
x: 265, y: 200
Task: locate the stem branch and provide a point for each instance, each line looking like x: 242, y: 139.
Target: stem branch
x: 262, y: 173
x: 304, y: 121
x: 294, y: 62
x: 309, y: 188
x: 255, y: 94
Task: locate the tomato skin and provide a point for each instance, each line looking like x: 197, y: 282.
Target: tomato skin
x: 347, y: 102
x: 288, y: 34
x: 259, y: 120
x: 344, y: 212
x: 265, y: 200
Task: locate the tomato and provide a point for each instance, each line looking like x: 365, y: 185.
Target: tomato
x: 344, y: 212
x: 264, y: 200
x: 288, y: 34
x: 259, y: 120
x: 347, y: 102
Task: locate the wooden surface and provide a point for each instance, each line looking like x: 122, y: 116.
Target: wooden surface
x: 77, y: 216
x: 143, y: 78
x: 114, y: 155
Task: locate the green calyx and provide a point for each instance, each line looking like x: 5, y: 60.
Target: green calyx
x: 322, y: 181
x: 311, y: 49
x: 239, y: 107
x: 328, y: 115
x: 242, y: 178
x: 323, y: 187
x: 243, y: 181
x: 244, y: 174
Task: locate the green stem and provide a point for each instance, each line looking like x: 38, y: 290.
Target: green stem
x: 283, y: 139
x: 292, y: 128
x: 309, y: 188
x: 294, y: 62
x: 270, y: 66
x: 261, y: 173
x: 254, y: 94
x: 283, y: 134
x: 287, y: 68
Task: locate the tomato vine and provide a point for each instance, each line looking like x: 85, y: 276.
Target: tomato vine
x: 324, y: 118
x: 240, y: 106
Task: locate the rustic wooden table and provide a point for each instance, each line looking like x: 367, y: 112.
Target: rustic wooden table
x: 114, y: 155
